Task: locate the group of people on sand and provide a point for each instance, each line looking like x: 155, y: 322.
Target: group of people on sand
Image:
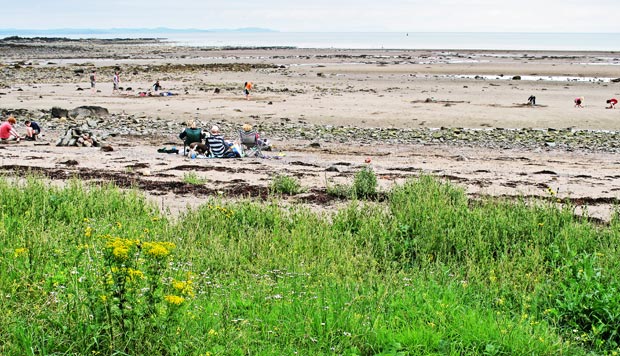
x: 214, y: 145
x: 8, y: 134
x: 578, y: 102
x: 611, y: 102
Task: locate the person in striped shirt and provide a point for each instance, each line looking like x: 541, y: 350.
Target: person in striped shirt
x: 219, y: 147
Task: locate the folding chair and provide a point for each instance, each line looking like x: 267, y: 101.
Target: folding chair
x: 191, y: 135
x: 250, y: 143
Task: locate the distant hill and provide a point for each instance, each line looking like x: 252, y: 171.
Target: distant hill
x: 113, y: 31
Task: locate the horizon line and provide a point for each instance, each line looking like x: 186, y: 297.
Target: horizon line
x: 260, y: 29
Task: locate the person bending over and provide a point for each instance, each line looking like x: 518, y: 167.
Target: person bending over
x: 7, y: 131
x: 32, y: 130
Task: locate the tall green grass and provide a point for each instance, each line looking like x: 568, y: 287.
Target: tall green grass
x: 96, y: 270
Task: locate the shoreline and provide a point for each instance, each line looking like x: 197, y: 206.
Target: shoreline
x: 395, y: 109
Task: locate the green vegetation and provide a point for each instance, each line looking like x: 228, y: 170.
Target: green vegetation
x: 364, y: 186
x: 95, y: 270
x: 193, y: 178
x: 283, y: 184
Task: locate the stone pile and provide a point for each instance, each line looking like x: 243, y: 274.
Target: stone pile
x: 76, y: 136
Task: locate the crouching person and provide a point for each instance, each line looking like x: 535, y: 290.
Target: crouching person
x: 32, y: 130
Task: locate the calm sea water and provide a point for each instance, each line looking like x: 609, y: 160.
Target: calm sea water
x: 367, y: 40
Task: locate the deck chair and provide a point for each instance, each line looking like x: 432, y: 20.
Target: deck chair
x: 191, y: 135
x: 250, y: 144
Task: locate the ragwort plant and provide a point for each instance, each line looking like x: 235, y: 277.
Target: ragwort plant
x: 429, y: 272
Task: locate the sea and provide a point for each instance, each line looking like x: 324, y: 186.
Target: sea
x: 352, y: 40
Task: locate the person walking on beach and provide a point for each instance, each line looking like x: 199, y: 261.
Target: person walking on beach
x: 247, y: 87
x: 532, y: 100
x: 612, y: 103
x: 579, y: 102
x: 93, y: 79
x: 116, y: 80
x: 7, y: 131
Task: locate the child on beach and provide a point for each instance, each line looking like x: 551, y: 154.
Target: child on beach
x: 612, y: 103
x: 7, y: 131
x: 116, y: 80
x: 32, y: 130
x: 579, y: 102
x: 246, y: 88
x: 92, y: 81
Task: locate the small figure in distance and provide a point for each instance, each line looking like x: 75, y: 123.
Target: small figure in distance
x: 246, y: 89
x: 32, y: 130
x: 7, y: 131
x: 93, y: 80
x: 612, y: 103
x: 116, y: 80
x: 532, y: 100
x: 156, y: 86
x: 579, y: 102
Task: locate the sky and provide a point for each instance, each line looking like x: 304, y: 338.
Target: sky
x: 318, y: 15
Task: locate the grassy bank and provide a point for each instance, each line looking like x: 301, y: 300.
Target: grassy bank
x: 95, y: 270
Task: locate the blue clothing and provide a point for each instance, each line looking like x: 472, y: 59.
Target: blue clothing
x: 35, y: 127
x: 219, y: 148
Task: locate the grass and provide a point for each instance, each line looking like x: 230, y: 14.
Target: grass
x: 193, y: 178
x: 97, y: 270
x: 283, y: 184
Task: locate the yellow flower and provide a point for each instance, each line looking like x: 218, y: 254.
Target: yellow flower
x: 184, y: 287
x: 20, y: 251
x: 86, y: 220
x: 134, y: 274
x: 119, y: 225
x: 88, y: 231
x: 212, y: 332
x: 158, y: 249
x: 104, y: 298
x: 174, y: 299
x: 120, y: 247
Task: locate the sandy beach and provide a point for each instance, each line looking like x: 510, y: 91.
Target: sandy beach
x: 326, y: 112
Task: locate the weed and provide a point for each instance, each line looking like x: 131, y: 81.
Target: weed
x: 193, y: 178
x: 364, y: 184
x: 283, y: 184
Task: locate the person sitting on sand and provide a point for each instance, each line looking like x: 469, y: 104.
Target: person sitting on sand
x: 532, y: 100
x: 32, y: 130
x: 219, y: 147
x: 612, y: 103
x: 7, y: 131
x: 579, y: 102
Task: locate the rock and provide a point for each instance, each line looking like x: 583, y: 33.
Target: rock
x: 315, y: 145
x: 58, y: 112
x: 70, y: 162
x: 107, y: 148
x: 516, y: 77
x: 617, y: 80
x: 89, y: 111
x: 332, y: 169
x: 216, y: 91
